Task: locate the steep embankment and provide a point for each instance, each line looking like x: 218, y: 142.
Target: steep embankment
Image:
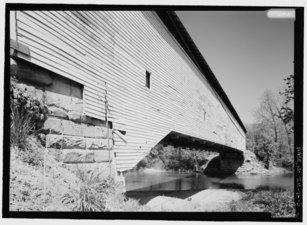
x: 39, y: 183
x: 33, y: 190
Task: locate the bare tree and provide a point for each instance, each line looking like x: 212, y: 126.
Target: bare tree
x: 270, y: 114
x: 266, y: 112
x: 286, y: 108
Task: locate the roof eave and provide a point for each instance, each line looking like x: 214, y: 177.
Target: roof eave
x: 175, y: 26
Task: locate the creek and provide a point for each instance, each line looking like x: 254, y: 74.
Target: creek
x: 172, y: 181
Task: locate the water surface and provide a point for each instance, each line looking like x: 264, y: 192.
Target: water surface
x: 172, y: 181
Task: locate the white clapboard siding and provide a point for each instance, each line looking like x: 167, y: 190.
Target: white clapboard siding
x: 57, y: 52
x: 111, y: 51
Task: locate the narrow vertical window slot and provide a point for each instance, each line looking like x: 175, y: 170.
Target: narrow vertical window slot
x: 148, y: 79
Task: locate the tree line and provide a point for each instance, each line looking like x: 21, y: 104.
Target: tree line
x: 271, y: 137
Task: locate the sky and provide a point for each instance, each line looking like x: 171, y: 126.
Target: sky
x: 247, y: 51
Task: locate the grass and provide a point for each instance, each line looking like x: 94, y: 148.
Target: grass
x: 91, y: 192
x: 279, y: 202
x: 96, y: 193
x: 65, y: 189
x: 32, y: 152
x: 21, y: 126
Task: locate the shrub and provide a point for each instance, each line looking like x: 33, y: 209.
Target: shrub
x: 32, y: 152
x: 27, y: 115
x: 279, y: 203
x: 21, y: 126
x: 92, y: 192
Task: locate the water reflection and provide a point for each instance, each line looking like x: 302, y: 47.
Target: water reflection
x: 180, y: 182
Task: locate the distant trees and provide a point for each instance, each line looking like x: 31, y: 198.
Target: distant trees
x: 271, y: 137
x: 175, y: 158
x: 286, y: 111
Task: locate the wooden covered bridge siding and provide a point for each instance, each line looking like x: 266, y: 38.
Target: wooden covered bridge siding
x: 113, y: 50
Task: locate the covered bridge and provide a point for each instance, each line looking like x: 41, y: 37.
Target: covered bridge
x: 135, y: 76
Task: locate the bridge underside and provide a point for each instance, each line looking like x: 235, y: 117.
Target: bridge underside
x: 226, y: 163
x: 186, y: 141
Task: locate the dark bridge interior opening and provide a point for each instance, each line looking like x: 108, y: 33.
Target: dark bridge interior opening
x: 181, y: 152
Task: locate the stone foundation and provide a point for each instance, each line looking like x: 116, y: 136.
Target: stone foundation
x: 79, y: 141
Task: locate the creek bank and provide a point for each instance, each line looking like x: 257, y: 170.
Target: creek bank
x: 252, y: 166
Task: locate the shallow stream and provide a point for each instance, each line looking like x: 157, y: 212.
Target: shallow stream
x: 171, y: 181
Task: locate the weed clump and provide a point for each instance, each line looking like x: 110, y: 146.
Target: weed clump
x: 27, y: 114
x: 278, y: 202
x: 91, y: 192
x: 32, y: 152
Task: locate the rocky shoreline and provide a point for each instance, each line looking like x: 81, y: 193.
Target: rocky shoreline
x: 252, y: 166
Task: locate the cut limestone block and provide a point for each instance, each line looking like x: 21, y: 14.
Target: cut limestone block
x: 58, y: 100
x: 69, y: 142
x: 72, y: 155
x: 57, y: 112
x: 76, y: 105
x: 103, y: 156
x: 53, y: 125
x: 71, y: 128
x: 75, y: 116
x: 97, y: 132
x: 64, y: 142
x: 77, y: 156
x: 82, y: 156
x: 96, y: 143
x: 85, y: 156
x: 66, y: 127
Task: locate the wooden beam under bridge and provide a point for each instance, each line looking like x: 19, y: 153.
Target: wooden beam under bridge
x: 179, y: 140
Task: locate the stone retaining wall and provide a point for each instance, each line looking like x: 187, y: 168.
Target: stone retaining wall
x: 70, y: 135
